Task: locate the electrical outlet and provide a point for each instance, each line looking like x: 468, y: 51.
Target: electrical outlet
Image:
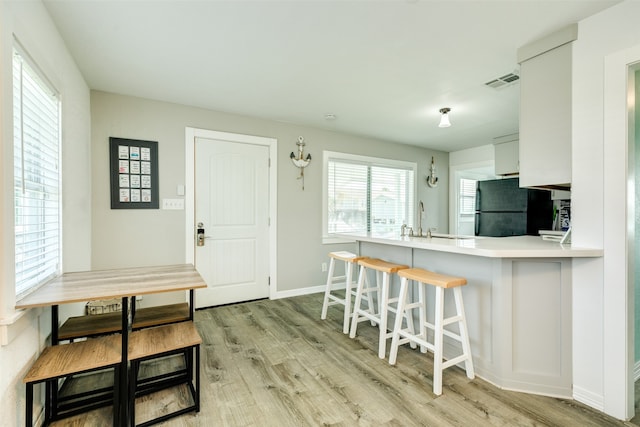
x: 323, y: 266
x: 173, y: 204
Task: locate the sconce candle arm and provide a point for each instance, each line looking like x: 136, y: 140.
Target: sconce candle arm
x: 432, y: 179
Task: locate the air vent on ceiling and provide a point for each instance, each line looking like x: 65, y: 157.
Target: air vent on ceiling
x: 502, y: 81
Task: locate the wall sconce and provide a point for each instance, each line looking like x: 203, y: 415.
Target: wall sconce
x: 444, y: 118
x: 300, y: 161
x: 432, y: 179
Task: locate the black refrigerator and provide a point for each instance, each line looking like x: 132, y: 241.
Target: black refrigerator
x: 505, y: 209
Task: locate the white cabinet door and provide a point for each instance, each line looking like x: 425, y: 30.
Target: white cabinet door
x: 506, y: 157
x: 545, y: 119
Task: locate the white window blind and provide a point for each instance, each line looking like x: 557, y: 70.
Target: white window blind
x: 365, y: 194
x: 467, y: 196
x: 36, y: 130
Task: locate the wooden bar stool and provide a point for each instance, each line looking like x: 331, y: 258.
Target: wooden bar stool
x: 441, y: 282
x: 384, y: 269
x: 330, y: 299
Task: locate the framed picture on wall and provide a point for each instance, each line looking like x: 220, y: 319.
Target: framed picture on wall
x: 133, y: 166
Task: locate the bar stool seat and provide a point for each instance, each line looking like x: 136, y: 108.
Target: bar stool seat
x: 349, y: 259
x: 402, y: 336
x: 384, y: 269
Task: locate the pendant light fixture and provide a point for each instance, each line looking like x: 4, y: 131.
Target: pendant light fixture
x: 444, y: 118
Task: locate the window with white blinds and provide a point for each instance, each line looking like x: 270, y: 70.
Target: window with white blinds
x: 467, y: 193
x: 367, y: 194
x: 36, y: 130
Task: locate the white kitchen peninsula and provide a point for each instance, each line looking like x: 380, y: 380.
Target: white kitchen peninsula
x: 517, y: 301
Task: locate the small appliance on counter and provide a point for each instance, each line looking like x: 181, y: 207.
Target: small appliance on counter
x: 504, y: 209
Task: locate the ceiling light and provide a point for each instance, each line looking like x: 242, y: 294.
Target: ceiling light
x: 329, y: 116
x: 444, y: 118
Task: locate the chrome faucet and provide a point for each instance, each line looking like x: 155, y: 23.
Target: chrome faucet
x: 404, y: 232
x: 420, y: 212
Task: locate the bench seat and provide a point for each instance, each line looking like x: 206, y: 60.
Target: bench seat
x: 68, y: 359
x: 161, y: 341
x: 100, y: 324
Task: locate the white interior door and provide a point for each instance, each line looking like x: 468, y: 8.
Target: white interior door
x: 232, y: 203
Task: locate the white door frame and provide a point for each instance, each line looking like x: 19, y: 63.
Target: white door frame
x: 190, y: 137
x: 619, y: 231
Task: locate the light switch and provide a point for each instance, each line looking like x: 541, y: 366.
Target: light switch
x: 173, y: 204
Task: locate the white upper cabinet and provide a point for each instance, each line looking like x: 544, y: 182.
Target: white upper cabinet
x: 545, y: 111
x: 507, y: 161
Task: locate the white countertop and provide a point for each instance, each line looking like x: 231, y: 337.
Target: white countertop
x: 492, y: 247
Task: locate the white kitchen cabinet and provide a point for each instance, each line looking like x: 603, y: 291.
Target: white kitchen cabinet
x: 545, y: 111
x: 506, y: 157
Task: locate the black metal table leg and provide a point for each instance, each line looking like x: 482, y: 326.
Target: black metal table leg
x: 124, y: 366
x: 28, y: 417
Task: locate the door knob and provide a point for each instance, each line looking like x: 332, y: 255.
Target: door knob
x: 200, y: 234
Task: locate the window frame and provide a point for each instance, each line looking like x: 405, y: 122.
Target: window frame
x: 366, y: 160
x: 44, y: 84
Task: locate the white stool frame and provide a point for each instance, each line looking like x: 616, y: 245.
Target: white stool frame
x: 384, y: 306
x: 439, y: 365
x: 330, y: 299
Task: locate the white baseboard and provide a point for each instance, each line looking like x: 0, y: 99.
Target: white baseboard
x: 589, y: 398
x: 299, y: 292
x: 310, y: 289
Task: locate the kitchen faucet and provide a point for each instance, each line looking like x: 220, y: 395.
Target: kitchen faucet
x: 420, y: 212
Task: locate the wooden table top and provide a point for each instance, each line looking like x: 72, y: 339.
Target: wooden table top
x: 118, y: 283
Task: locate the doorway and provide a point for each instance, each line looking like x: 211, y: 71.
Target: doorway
x: 462, y: 203
x: 230, y: 201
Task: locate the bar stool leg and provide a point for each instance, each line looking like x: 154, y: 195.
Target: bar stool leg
x: 356, y: 304
x: 327, y: 292
x: 348, y: 268
x: 422, y: 298
x: 438, y: 342
x: 370, y: 305
x: 409, y: 315
x: 384, y: 304
x: 464, y: 333
x: 395, y: 340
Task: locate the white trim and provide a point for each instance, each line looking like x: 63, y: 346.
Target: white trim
x: 190, y: 136
x: 636, y: 371
x: 299, y: 292
x: 13, y: 326
x: 376, y: 161
x: 618, y: 302
x: 589, y: 398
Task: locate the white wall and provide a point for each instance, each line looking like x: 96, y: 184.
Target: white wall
x: 147, y: 237
x: 24, y: 333
x: 599, y: 207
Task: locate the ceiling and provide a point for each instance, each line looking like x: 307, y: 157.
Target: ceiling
x: 383, y: 68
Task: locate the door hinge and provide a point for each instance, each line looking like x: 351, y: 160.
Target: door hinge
x: 269, y: 280
x: 269, y: 162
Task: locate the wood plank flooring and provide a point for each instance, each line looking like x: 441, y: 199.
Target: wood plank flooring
x: 275, y: 363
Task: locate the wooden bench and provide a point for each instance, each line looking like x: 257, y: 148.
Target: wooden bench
x: 108, y: 323
x: 162, y: 341
x: 61, y: 361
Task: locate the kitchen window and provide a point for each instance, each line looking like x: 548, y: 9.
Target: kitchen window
x: 36, y: 154
x: 362, y: 194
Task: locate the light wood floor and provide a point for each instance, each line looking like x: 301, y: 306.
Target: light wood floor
x: 274, y: 363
